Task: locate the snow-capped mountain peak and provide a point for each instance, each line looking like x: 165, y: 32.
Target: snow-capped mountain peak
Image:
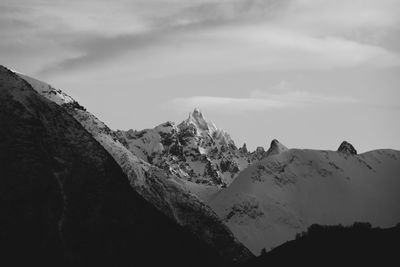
x: 197, y: 124
x: 197, y: 119
x: 195, y: 151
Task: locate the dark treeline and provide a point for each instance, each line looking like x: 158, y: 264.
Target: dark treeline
x: 355, y: 245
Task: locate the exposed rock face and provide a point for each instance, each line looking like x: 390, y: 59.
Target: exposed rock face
x: 161, y: 190
x: 258, y: 155
x: 260, y: 149
x: 243, y: 149
x: 347, y: 148
x: 194, y: 150
x: 197, y: 119
x: 229, y: 166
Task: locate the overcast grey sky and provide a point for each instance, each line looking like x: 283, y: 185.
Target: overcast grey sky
x: 310, y: 73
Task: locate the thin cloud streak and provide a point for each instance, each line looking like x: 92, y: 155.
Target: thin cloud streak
x: 259, y: 101
x: 165, y: 30
x: 225, y: 50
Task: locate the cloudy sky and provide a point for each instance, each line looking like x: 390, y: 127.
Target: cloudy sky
x: 310, y: 73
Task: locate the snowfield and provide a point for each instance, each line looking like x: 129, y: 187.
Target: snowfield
x: 272, y: 200
x: 55, y: 95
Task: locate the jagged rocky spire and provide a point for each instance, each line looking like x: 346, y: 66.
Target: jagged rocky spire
x: 347, y: 148
x: 243, y: 149
x: 275, y: 148
x: 197, y: 119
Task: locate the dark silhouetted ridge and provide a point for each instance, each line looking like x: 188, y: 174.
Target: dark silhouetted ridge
x: 64, y: 201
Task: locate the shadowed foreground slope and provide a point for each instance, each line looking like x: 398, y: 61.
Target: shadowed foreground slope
x: 65, y: 202
x: 163, y: 191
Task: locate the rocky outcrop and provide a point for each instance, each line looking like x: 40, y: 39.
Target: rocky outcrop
x: 347, y: 148
x: 243, y: 149
x: 194, y: 150
x: 258, y: 155
x: 230, y: 166
x: 276, y: 148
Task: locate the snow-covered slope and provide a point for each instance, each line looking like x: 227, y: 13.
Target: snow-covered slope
x: 166, y: 192
x: 272, y: 200
x: 55, y: 95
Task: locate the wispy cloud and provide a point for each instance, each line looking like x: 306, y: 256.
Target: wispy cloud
x: 260, y: 100
x: 227, y: 35
x: 226, y: 103
x: 181, y: 25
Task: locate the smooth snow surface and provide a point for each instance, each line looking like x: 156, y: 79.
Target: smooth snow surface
x: 55, y: 95
x: 272, y: 200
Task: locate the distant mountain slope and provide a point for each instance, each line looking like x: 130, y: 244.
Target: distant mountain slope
x: 64, y: 201
x: 272, y: 200
x: 166, y: 193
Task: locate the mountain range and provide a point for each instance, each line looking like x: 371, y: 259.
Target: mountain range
x: 73, y: 188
